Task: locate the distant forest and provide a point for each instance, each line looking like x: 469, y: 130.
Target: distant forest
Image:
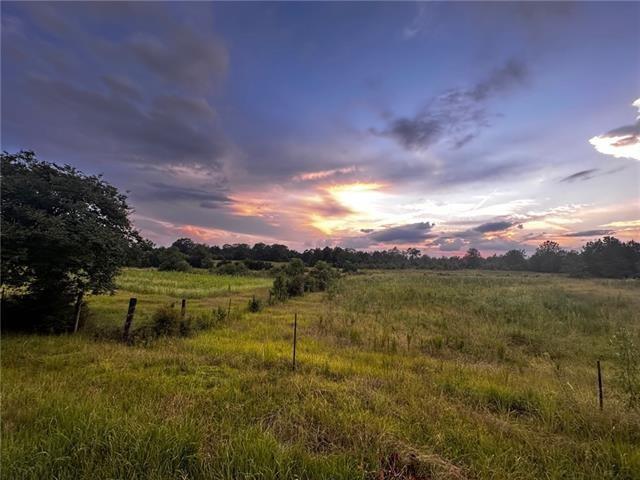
x: 607, y: 257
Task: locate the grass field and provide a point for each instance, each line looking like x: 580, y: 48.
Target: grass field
x: 413, y: 375
x: 202, y: 291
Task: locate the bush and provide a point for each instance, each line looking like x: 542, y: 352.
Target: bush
x: 257, y: 265
x: 167, y: 321
x: 321, y: 277
x: 255, y: 305
x: 173, y: 259
x: 295, y: 285
x: 279, y: 290
x: 230, y: 268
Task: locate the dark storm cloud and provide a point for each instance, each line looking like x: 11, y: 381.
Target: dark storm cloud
x: 134, y: 90
x: 168, y: 193
x: 413, y: 232
x: 589, y: 233
x: 493, y: 227
x: 458, y: 115
x: 165, y: 131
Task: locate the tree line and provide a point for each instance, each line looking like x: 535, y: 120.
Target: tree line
x: 606, y: 257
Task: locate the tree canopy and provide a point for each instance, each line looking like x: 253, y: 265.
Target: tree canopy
x: 63, y: 232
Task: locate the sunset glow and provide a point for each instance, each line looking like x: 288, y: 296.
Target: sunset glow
x: 298, y: 134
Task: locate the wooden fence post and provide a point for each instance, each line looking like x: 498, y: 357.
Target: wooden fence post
x: 295, y: 338
x: 77, y: 309
x: 183, y: 308
x: 130, y: 312
x: 600, y: 395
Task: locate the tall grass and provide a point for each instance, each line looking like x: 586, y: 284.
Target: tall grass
x: 497, y: 382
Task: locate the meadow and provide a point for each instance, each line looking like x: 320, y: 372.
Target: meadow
x: 405, y: 375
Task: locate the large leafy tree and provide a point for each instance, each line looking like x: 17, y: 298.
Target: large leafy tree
x: 609, y: 257
x: 64, y: 233
x: 548, y: 257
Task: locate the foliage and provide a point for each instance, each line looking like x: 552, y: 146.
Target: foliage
x: 279, y: 291
x: 255, y: 305
x: 167, y: 321
x: 627, y: 358
x: 293, y: 280
x: 230, y: 268
x: 472, y: 259
x: 172, y: 259
x: 63, y: 232
x: 320, y: 277
x: 608, y: 257
x: 515, y: 260
x: 548, y: 258
x: 574, y: 265
x: 257, y: 264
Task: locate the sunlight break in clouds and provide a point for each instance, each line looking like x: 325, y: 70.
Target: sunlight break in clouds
x: 623, y: 142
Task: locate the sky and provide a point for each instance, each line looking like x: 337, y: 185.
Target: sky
x: 438, y: 126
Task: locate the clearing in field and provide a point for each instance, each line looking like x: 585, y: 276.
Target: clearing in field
x: 412, y: 375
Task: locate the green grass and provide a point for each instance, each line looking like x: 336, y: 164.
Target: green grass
x: 401, y: 375
x: 202, y: 290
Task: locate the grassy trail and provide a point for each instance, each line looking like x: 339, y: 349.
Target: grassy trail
x: 401, y: 375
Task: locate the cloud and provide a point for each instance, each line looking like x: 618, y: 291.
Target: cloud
x: 590, y: 233
x: 624, y: 224
x: 323, y: 174
x: 621, y: 142
x: 190, y: 60
x: 132, y: 91
x: 493, y: 227
x: 167, y: 131
x: 158, y: 191
x: 581, y: 175
x: 458, y: 115
x: 475, y: 237
x: 413, y: 232
x: 122, y: 86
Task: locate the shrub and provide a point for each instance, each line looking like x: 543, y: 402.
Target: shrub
x: 219, y: 315
x: 321, y: 277
x: 295, y: 285
x: 167, y: 321
x: 230, y: 268
x: 279, y: 290
x: 257, y: 264
x: 255, y: 305
x: 173, y: 259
